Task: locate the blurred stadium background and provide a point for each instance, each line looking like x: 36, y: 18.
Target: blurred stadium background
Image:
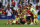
x: 4, y: 3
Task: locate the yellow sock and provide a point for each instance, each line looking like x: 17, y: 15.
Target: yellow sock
x: 34, y: 20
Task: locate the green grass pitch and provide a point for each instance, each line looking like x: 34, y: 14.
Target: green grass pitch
x: 2, y: 21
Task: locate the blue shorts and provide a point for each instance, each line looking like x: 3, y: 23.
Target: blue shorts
x: 8, y: 17
x: 13, y: 16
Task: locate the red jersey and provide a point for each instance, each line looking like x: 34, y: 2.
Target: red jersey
x: 29, y: 12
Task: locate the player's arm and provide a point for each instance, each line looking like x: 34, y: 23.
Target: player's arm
x: 11, y: 11
x: 6, y: 11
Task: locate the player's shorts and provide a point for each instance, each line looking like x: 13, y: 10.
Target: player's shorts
x: 28, y: 17
x: 15, y: 21
x: 32, y: 17
x: 8, y: 17
x: 13, y: 16
x: 22, y: 22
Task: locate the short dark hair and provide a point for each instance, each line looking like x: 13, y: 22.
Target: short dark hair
x: 31, y: 4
